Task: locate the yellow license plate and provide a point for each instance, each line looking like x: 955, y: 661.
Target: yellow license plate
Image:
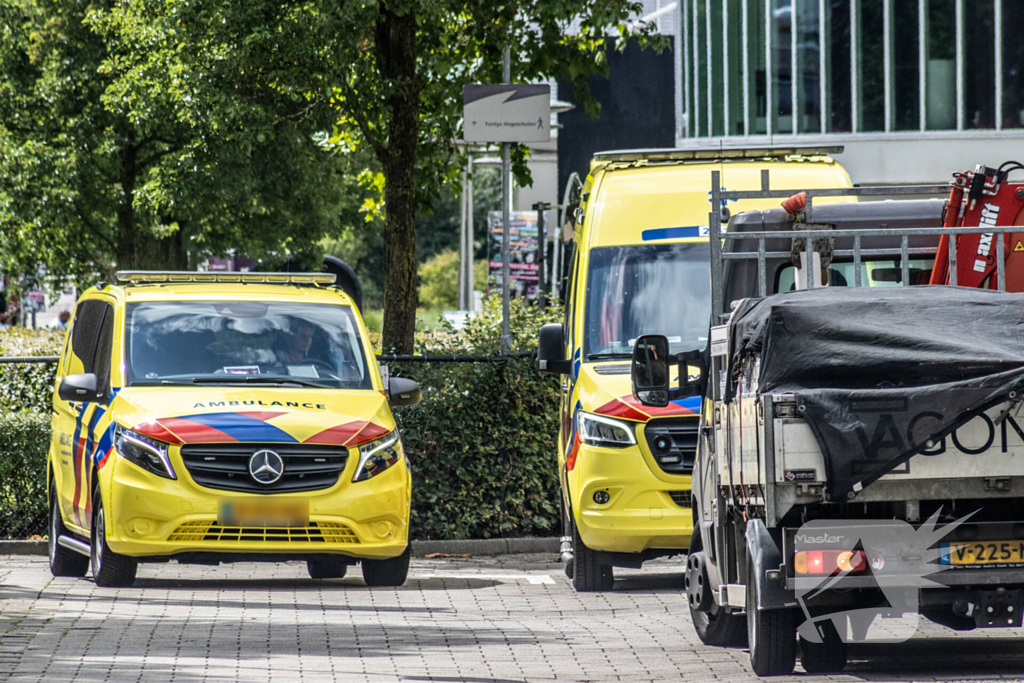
x: 260, y: 512
x: 959, y: 553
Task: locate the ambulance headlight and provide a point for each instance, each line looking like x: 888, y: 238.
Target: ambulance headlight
x: 377, y: 456
x: 143, y: 451
x: 598, y: 430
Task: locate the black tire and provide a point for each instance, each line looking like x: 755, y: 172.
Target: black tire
x: 109, y: 569
x: 771, y: 635
x: 588, y: 575
x: 715, y: 626
x: 63, y: 561
x: 826, y: 657
x: 332, y: 568
x: 392, y: 572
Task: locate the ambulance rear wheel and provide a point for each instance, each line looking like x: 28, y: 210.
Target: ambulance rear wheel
x: 63, y: 561
x: 588, y: 574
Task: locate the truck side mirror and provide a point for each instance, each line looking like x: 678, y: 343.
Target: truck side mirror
x: 551, y: 351
x: 403, y: 391
x: 650, y: 370
x: 691, y: 385
x: 83, y: 387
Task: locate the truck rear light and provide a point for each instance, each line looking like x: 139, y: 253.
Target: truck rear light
x: 829, y: 561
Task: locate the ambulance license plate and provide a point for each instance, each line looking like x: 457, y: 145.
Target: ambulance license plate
x: 260, y: 512
x: 963, y: 553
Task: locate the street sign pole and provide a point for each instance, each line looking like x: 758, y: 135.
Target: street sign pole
x: 506, y: 193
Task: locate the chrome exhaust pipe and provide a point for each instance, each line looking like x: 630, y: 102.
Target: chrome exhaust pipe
x: 566, y: 549
x: 75, y: 544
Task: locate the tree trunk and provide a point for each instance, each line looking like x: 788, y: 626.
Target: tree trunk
x: 396, y: 59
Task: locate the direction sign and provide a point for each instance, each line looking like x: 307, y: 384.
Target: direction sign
x: 506, y: 113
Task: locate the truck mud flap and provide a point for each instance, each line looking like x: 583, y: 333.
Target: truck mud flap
x: 766, y: 556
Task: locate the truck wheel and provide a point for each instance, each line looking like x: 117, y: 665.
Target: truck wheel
x: 392, y: 572
x: 109, y: 569
x: 588, y: 575
x: 826, y: 657
x: 771, y: 634
x: 714, y: 625
x: 327, y: 568
x: 63, y: 561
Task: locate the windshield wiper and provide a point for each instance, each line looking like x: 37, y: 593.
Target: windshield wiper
x: 256, y: 379
x: 609, y: 356
x: 161, y: 383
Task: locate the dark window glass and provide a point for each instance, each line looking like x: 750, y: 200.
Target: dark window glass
x: 872, y: 67
x: 839, y: 67
x: 179, y: 341
x: 782, y: 65
x: 906, y: 66
x: 940, y: 88
x: 104, y: 350
x: 1013, y: 65
x: 980, y: 65
x: 647, y: 289
x: 808, y: 58
x: 85, y: 331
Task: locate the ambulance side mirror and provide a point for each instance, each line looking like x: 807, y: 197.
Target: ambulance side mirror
x: 83, y: 387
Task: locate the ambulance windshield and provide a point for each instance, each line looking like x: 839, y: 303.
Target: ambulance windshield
x: 647, y: 289
x: 211, y: 342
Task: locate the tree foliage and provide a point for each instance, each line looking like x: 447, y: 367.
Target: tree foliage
x: 121, y: 143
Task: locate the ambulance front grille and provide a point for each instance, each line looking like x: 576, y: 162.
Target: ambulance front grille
x: 212, y: 532
x: 673, y: 443
x: 225, y: 466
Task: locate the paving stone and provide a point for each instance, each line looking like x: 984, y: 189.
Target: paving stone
x: 485, y: 620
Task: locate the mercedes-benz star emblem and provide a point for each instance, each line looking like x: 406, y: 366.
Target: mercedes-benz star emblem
x: 266, y: 466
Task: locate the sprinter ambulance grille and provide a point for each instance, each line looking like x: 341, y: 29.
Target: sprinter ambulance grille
x: 225, y: 466
x: 673, y: 443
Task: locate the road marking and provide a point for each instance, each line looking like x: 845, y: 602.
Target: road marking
x: 534, y: 579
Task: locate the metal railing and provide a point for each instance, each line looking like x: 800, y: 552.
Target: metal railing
x: 716, y: 235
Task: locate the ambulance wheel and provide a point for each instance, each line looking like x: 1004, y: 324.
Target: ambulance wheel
x: 771, y: 634
x: 327, y: 568
x: 826, y: 657
x: 109, y: 569
x: 714, y: 626
x: 392, y: 572
x: 63, y: 561
x: 588, y: 575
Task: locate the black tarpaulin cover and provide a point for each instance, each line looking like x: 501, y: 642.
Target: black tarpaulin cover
x: 878, y: 373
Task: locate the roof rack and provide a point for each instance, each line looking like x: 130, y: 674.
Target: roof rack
x: 714, y: 153
x: 136, y: 277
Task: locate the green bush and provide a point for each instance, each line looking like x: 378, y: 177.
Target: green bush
x: 24, y: 442
x: 28, y: 386
x: 482, y: 441
x: 439, y: 280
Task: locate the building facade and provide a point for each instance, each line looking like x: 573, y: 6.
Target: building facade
x: 912, y: 89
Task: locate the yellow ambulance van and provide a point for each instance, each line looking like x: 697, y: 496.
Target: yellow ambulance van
x: 639, y: 262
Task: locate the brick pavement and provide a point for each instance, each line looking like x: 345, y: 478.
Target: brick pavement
x: 488, y: 620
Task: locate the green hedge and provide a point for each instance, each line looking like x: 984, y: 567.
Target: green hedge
x: 481, y: 443
x: 24, y: 442
x: 28, y: 386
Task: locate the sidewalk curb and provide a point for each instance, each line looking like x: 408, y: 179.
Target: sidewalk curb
x: 23, y: 548
x: 486, y: 546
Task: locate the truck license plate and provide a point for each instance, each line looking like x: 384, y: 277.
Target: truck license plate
x: 982, y: 553
x: 259, y: 512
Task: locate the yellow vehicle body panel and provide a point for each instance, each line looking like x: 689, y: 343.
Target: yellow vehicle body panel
x: 636, y: 204
x: 151, y: 515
